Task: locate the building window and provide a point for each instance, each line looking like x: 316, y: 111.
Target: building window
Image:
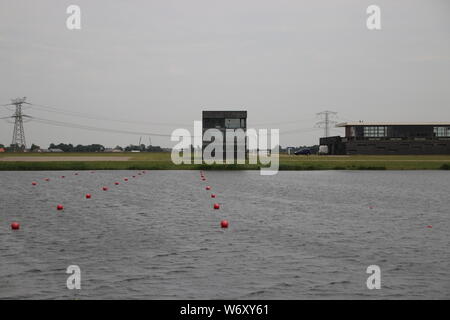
x: 377, y: 132
x: 442, y: 131
x: 232, y: 123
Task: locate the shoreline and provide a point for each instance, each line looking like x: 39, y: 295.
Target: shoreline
x: 162, y: 161
x: 143, y: 165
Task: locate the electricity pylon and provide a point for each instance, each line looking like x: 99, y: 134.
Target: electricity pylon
x: 18, y: 139
x: 326, y: 122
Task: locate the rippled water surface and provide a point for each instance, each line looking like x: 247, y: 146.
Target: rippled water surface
x: 296, y: 235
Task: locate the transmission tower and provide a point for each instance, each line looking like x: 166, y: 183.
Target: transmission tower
x: 327, y: 121
x: 18, y: 138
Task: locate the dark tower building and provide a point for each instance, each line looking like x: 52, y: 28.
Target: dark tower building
x: 223, y: 121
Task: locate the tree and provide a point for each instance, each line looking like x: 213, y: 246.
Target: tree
x: 133, y: 148
x: 154, y: 149
x: 34, y: 147
x: 79, y: 148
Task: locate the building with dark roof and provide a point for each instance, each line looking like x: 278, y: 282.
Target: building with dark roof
x: 394, y: 138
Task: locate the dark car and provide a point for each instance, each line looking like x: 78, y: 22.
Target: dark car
x: 306, y: 152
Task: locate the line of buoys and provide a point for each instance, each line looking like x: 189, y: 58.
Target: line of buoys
x: 15, y: 226
x: 60, y: 207
x: 224, y: 223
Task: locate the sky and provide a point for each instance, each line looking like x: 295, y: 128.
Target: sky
x: 150, y: 67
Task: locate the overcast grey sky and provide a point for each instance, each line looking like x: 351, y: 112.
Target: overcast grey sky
x: 165, y: 61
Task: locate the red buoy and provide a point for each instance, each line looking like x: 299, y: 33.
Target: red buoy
x: 203, y: 179
x: 88, y: 196
x: 208, y: 188
x: 63, y: 177
x: 34, y: 183
x: 116, y: 183
x: 15, y: 226
x: 59, y: 207
x: 126, y: 179
x: 429, y: 227
x: 213, y: 195
x: 224, y: 224
x: 47, y: 179
x: 105, y: 188
x: 76, y: 173
x: 216, y: 206
x: 134, y: 176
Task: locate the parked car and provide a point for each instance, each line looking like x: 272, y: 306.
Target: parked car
x: 305, y: 151
x: 323, y: 149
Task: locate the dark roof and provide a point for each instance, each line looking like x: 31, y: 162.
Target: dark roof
x: 347, y: 124
x: 224, y: 114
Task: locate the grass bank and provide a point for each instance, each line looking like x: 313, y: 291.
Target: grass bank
x: 162, y: 161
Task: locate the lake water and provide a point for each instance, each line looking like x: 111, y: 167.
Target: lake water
x: 296, y: 235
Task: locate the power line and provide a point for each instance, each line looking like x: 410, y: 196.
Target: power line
x: 281, y: 122
x: 85, y: 127
x: 19, y: 135
x: 303, y: 130
x: 94, y: 117
x: 51, y: 109
x: 140, y: 133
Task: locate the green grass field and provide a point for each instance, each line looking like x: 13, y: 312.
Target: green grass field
x: 162, y: 161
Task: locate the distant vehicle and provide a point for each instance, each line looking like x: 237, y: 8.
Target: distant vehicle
x: 323, y: 149
x: 305, y: 151
x: 55, y: 150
